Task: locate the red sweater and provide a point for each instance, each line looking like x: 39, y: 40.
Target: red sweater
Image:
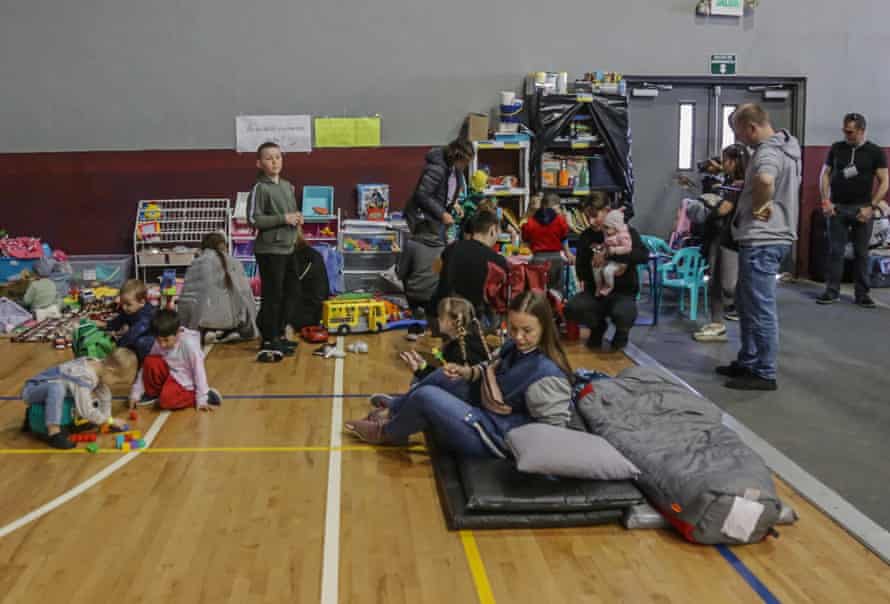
x: 545, y: 237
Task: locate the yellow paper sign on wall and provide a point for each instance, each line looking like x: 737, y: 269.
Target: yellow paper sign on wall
x: 347, y: 132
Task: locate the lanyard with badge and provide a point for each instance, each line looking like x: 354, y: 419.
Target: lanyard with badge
x: 850, y: 171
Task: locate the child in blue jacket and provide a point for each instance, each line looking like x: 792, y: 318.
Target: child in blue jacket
x: 132, y: 327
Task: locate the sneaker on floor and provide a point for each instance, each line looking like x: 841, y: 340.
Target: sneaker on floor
x: 751, y: 382
x: 230, y: 336
x: 731, y: 314
x: 286, y: 344
x: 380, y: 401
x: 368, y: 430
x: 732, y: 370
x: 147, y: 401
x: 865, y: 301
x: 59, y: 440
x: 214, y: 397
x: 827, y: 298
x: 269, y: 353
x: 712, y: 332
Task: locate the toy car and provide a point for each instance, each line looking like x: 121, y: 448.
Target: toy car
x: 314, y: 333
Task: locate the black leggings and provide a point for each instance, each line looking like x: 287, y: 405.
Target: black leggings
x: 280, y: 283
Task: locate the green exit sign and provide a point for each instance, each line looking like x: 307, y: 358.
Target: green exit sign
x: 730, y: 8
x: 724, y: 64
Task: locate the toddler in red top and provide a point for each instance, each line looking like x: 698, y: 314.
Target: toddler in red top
x: 546, y: 231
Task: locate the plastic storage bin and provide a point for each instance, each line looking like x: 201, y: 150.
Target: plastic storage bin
x: 109, y: 270
x: 318, y: 202
x: 368, y: 261
x: 11, y: 268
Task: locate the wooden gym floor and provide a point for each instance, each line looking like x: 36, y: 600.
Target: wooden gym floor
x: 259, y: 502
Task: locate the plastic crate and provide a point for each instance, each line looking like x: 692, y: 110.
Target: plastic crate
x: 110, y: 270
x: 318, y: 197
x: 11, y: 268
x: 365, y: 261
x: 366, y: 282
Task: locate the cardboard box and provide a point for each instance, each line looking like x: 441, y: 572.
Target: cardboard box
x: 477, y: 127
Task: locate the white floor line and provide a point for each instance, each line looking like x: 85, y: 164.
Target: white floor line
x: 85, y: 485
x: 860, y: 526
x: 67, y: 496
x: 330, y: 570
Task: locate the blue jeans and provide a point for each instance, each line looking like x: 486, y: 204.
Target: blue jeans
x: 49, y: 394
x: 756, y: 305
x: 438, y: 403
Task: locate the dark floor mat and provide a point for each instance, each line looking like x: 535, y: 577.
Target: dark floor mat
x: 580, y: 503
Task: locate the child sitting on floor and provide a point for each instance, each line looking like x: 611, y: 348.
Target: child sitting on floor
x: 462, y: 332
x: 173, y: 373
x: 131, y: 328
x: 86, y: 380
x: 41, y: 297
x: 618, y: 243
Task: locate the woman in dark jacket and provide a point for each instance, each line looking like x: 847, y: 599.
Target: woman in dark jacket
x: 432, y: 198
x: 313, y: 286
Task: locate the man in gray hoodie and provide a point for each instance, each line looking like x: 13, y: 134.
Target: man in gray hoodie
x: 765, y: 227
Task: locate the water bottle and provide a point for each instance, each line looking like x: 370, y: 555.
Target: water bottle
x: 622, y: 88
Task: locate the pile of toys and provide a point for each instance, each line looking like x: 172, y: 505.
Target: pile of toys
x: 60, y: 331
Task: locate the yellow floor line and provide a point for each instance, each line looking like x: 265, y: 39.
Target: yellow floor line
x: 480, y: 577
x: 413, y: 449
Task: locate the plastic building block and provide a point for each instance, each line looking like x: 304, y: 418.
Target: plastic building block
x: 92, y: 448
x: 125, y: 447
x: 137, y: 444
x: 133, y: 415
x: 119, y: 441
x: 104, y: 429
x: 141, y: 443
x: 127, y: 437
x: 134, y: 434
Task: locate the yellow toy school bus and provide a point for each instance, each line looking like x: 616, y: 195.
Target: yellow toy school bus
x: 353, y: 316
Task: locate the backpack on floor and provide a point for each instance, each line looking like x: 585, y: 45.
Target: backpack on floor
x: 37, y: 416
x: 88, y: 340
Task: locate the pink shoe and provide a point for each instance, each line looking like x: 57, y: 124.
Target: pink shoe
x: 368, y: 430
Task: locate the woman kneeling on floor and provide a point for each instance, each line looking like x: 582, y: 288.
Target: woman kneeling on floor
x: 469, y: 412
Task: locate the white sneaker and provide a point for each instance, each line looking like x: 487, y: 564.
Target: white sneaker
x: 712, y: 332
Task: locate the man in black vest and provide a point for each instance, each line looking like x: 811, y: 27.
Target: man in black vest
x: 849, y: 200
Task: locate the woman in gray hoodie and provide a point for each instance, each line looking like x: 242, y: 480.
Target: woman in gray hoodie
x: 415, y: 267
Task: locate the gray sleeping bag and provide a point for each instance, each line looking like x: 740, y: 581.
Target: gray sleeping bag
x: 710, y: 485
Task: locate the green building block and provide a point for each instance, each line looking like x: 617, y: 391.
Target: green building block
x: 92, y: 448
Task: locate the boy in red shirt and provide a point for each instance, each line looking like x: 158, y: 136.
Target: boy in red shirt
x: 546, y: 231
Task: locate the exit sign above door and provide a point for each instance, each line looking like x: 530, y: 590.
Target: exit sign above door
x: 729, y: 8
x: 724, y: 64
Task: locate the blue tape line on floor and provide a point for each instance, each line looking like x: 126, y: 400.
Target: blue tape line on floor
x: 750, y: 578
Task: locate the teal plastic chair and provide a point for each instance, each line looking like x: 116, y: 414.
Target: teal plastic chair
x: 686, y: 272
x: 659, y: 248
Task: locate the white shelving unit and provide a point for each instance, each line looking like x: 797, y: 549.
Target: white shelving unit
x: 362, y: 265
x: 522, y: 192
x: 182, y: 223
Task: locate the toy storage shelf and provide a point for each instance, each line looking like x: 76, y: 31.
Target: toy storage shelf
x: 165, y: 224
x: 521, y: 163
x: 369, y: 248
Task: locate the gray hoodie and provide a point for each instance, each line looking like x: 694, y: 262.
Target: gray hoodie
x: 416, y: 266
x: 778, y: 156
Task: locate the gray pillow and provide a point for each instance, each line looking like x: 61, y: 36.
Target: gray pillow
x: 545, y: 449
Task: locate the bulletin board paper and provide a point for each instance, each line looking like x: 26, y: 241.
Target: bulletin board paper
x: 292, y: 133
x: 347, y: 132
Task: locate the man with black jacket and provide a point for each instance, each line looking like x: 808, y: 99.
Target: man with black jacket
x: 620, y: 305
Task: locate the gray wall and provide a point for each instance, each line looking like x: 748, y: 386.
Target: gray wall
x: 172, y: 74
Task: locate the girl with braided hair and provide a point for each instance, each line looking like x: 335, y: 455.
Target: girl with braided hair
x: 462, y: 332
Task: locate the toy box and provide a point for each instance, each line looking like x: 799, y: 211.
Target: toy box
x: 318, y: 202
x: 37, y: 416
x: 373, y: 201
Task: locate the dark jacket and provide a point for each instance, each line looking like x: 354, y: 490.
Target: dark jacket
x: 138, y: 337
x: 415, y: 267
x: 465, y: 270
x: 313, y: 288
x: 625, y: 284
x: 430, y: 198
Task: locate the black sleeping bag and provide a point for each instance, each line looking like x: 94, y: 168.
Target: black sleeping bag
x: 313, y: 289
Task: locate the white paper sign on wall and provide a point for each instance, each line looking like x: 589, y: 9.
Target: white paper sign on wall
x: 292, y: 132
